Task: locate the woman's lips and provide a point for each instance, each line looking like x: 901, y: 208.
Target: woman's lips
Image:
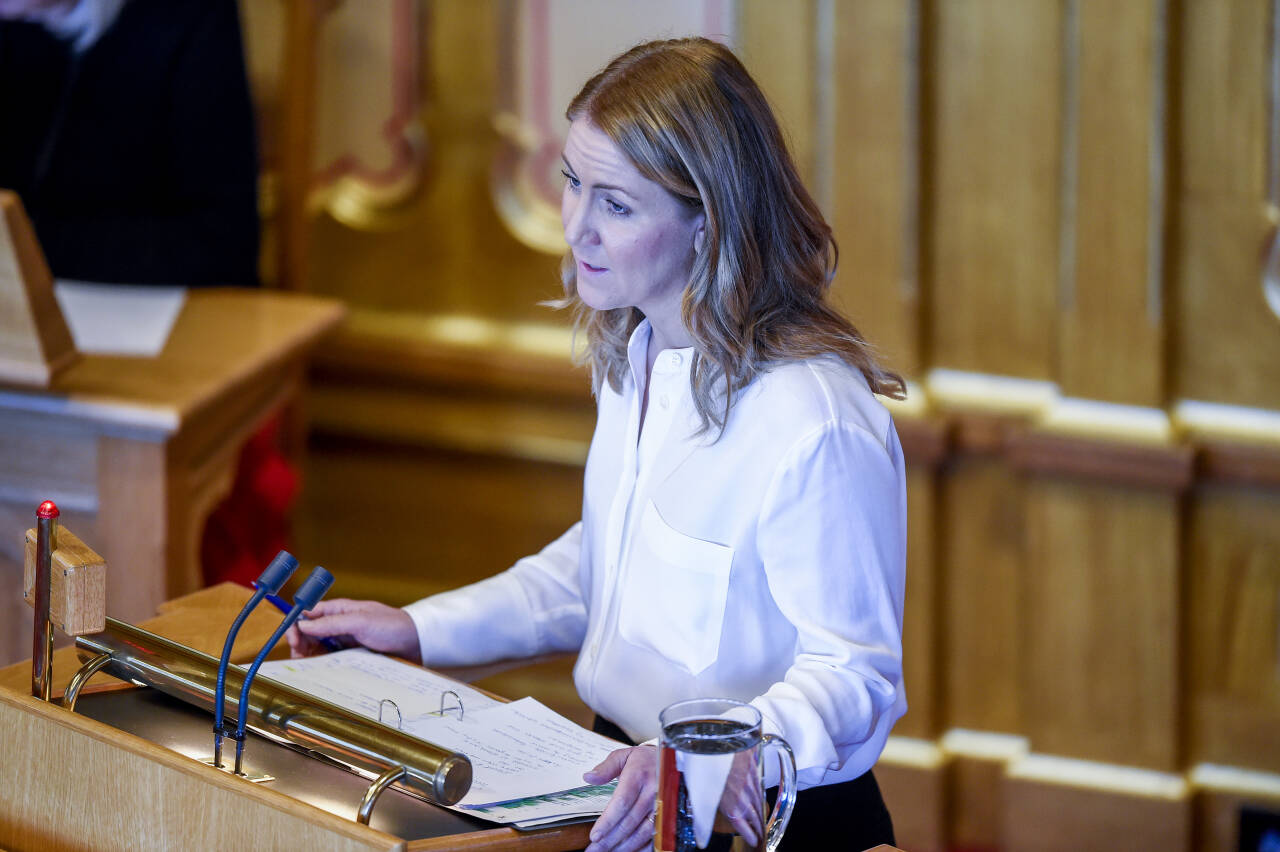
x: 589, y: 268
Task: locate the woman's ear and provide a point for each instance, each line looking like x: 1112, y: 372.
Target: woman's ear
x: 700, y: 232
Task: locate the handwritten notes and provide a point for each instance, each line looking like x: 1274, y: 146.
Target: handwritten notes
x: 519, y: 752
x: 359, y: 680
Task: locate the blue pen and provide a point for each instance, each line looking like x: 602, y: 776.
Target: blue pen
x: 328, y: 643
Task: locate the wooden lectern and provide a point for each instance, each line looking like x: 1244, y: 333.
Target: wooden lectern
x: 70, y: 782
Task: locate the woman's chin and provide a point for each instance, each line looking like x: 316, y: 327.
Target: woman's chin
x: 595, y: 298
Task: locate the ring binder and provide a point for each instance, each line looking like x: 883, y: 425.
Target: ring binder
x: 443, y: 710
x: 399, y: 717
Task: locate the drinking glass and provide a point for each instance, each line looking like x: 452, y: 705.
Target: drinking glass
x: 710, y: 769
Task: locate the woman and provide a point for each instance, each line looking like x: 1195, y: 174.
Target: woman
x: 743, y: 525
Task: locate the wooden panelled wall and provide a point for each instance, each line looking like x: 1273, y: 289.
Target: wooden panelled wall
x: 1051, y: 215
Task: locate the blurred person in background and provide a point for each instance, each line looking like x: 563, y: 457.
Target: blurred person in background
x: 129, y: 136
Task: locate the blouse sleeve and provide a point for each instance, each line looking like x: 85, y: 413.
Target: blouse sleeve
x: 832, y: 537
x: 534, y: 607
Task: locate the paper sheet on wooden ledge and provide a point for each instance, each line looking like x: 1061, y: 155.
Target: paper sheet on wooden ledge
x: 119, y: 319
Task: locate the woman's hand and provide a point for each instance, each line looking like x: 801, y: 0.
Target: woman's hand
x: 627, y: 822
x: 374, y: 625
x: 741, y: 803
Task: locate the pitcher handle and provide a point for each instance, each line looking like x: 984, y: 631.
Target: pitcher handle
x: 786, y: 791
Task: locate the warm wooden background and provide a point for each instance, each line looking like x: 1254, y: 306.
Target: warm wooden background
x: 1052, y: 215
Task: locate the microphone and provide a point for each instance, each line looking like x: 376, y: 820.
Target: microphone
x: 308, y: 595
x: 272, y: 579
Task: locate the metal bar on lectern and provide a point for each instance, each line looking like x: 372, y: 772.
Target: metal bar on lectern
x: 282, y: 713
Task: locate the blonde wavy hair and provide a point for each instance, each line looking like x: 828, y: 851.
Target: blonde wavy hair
x: 689, y: 116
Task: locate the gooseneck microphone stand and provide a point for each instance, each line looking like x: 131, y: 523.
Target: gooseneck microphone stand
x: 272, y: 579
x: 307, y: 596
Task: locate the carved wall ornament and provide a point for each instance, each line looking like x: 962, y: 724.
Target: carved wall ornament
x: 550, y: 48
x: 369, y: 143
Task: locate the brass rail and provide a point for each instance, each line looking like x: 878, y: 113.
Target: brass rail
x: 281, y: 713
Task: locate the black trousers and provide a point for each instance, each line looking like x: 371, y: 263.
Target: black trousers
x: 836, y: 817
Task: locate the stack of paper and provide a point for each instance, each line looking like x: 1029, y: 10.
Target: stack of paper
x: 527, y: 760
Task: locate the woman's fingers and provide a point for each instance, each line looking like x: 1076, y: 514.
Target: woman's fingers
x: 300, y: 645
x: 636, y: 824
x: 745, y: 821
x: 627, y: 820
x: 641, y: 839
x: 608, y: 769
x: 742, y: 801
x: 324, y: 626
x: 620, y: 802
x: 746, y: 816
x: 374, y: 625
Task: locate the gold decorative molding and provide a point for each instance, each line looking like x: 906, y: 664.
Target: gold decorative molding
x: 549, y: 48
x: 363, y: 126
x: 370, y: 136
x: 528, y: 215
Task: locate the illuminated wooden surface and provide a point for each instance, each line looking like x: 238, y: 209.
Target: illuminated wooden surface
x: 1227, y: 347
x: 138, y: 451
x: 1111, y: 309
x: 1234, y: 663
x: 150, y: 787
x: 875, y: 199
x: 1101, y: 623
x: 167, y: 785
x: 73, y: 783
x: 994, y: 170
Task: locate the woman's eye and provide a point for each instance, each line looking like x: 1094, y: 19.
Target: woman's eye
x: 616, y: 208
x: 573, y: 181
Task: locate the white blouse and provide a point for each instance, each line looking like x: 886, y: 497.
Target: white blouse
x: 765, y: 565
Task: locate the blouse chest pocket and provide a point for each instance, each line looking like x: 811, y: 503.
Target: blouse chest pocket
x: 673, y: 597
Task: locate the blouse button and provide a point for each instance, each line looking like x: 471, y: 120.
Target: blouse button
x: 664, y: 402
x: 676, y: 359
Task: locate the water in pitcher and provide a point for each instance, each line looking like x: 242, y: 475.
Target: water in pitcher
x: 705, y: 764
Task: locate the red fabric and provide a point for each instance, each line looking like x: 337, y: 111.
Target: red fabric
x: 252, y: 524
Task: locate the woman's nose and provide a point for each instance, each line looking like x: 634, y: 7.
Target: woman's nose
x: 573, y: 215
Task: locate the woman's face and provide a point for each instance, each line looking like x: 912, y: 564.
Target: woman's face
x: 633, y: 241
